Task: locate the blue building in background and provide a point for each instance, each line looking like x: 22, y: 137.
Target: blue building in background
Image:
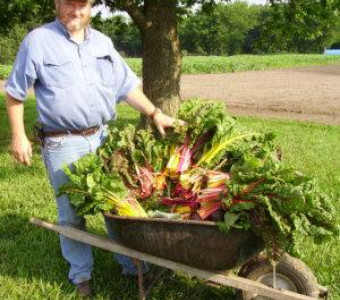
x: 332, y: 52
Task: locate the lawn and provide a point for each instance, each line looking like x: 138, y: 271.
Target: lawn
x: 237, y: 63
x: 31, y: 266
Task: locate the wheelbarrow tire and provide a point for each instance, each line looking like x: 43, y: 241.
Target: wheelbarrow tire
x: 292, y: 273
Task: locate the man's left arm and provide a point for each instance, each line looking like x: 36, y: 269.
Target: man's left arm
x: 139, y: 101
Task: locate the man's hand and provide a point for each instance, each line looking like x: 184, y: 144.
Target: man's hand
x: 139, y: 101
x: 21, y: 149
x: 163, y: 121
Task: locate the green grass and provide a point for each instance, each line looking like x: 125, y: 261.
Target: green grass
x: 4, y: 71
x: 237, y: 63
x: 31, y: 266
x: 220, y: 64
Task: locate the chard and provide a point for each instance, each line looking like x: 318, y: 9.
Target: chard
x: 175, y: 201
x: 163, y: 215
x: 183, y: 193
x: 174, y: 159
x: 184, y: 159
x: 159, y: 183
x: 216, y: 179
x: 210, y: 194
x: 208, y: 209
x: 127, y: 207
x: 221, y: 145
x: 182, y: 209
x: 146, y: 181
x: 248, y: 183
x: 193, y: 179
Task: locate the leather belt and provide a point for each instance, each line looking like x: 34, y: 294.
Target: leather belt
x: 85, y: 132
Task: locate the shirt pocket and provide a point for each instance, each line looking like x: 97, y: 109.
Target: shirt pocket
x: 59, y: 72
x: 105, y: 68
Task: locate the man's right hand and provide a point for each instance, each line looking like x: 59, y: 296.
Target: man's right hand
x: 21, y: 149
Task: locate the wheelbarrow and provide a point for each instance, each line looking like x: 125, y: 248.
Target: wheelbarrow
x: 201, y: 250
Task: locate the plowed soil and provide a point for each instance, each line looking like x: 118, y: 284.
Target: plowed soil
x: 306, y: 94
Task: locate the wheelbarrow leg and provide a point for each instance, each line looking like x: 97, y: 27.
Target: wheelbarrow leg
x: 140, y: 269
x: 155, y: 277
x: 143, y: 293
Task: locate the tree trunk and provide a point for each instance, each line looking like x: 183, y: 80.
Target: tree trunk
x: 162, y: 56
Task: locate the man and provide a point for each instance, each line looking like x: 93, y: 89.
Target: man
x: 78, y: 77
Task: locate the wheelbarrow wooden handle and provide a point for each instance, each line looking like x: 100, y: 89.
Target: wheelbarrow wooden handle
x: 113, y: 246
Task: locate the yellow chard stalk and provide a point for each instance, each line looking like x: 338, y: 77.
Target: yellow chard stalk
x: 173, y: 160
x: 212, y: 153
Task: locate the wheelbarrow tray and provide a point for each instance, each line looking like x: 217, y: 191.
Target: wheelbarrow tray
x: 195, y: 243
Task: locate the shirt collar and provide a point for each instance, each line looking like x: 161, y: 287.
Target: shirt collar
x: 61, y: 27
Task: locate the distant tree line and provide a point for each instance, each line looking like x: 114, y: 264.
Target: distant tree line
x: 123, y: 32
x: 296, y: 26
x: 301, y: 26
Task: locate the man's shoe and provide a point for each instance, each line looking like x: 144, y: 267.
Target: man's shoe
x: 84, y: 289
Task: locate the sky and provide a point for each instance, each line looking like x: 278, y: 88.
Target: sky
x: 257, y: 1
x: 106, y: 12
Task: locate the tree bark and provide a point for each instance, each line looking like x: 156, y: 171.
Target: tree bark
x: 162, y: 56
x: 157, y: 22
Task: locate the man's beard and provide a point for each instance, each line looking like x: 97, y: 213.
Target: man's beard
x: 75, y: 24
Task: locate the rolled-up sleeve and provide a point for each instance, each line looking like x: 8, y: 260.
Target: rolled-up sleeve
x: 23, y: 73
x: 127, y: 81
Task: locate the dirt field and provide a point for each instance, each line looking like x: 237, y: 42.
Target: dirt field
x: 306, y: 94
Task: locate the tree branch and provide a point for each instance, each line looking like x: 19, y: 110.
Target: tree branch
x: 136, y: 14
x: 131, y: 7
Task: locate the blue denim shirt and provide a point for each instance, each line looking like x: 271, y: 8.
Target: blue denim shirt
x: 77, y: 86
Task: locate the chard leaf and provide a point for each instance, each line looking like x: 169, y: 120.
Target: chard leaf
x: 229, y: 220
x: 241, y: 206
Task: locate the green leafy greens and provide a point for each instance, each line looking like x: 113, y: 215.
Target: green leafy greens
x: 210, y: 166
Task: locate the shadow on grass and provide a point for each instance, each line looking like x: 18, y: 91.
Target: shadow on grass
x: 33, y: 254
x: 11, y: 173
x: 28, y: 252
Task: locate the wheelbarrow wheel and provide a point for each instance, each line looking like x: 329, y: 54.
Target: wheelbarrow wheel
x: 291, y: 274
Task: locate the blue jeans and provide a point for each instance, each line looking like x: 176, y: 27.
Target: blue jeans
x: 58, y: 152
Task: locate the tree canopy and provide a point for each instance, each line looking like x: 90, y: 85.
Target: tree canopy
x: 221, y: 31
x: 29, y: 13
x: 299, y: 25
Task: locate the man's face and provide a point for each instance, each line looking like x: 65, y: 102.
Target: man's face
x: 74, y: 14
